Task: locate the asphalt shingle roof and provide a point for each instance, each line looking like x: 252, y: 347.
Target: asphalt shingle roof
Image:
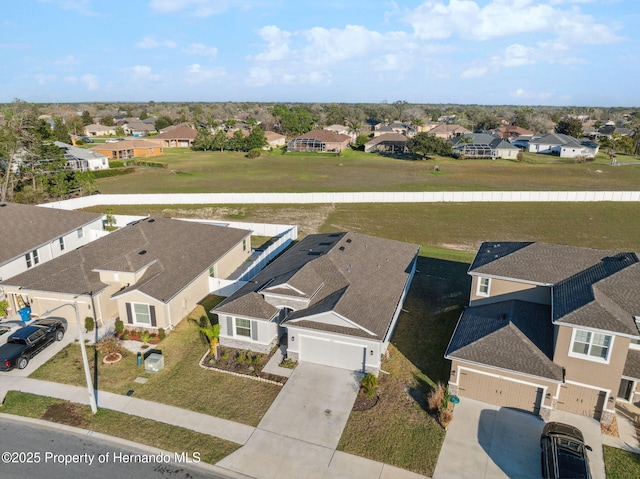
x: 325, y: 136
x: 512, y: 335
x: 175, y: 252
x: 632, y: 365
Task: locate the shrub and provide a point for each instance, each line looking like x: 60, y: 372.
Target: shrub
x: 112, y: 172
x: 4, y: 305
x: 225, y: 355
x: 444, y: 417
x: 145, y: 336
x: 108, y: 346
x: 161, y: 334
x: 116, y: 164
x: 89, y: 323
x: 369, y: 382
x: 119, y: 327
x: 254, y: 153
x: 436, y: 398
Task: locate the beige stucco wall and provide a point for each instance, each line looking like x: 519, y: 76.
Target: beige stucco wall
x: 603, y: 376
x: 233, y: 259
x: 162, y: 312
x: 187, y: 299
x: 503, y: 290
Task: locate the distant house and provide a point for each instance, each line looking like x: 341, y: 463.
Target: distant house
x: 391, y: 142
x: 129, y: 149
x: 339, y: 129
x: 99, y: 130
x: 319, y: 141
x: 509, y: 132
x: 564, y: 146
x: 179, y: 137
x: 331, y: 299
x: 274, y: 140
x: 446, y: 131
x: 138, y: 128
x: 81, y: 159
x: 32, y: 235
x: 483, y: 145
x: 150, y: 274
x: 396, y: 127
x: 610, y: 130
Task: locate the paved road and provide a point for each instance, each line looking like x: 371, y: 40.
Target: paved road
x: 54, y: 446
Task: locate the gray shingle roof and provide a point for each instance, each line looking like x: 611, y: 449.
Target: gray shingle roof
x: 26, y: 227
x: 362, y: 279
x: 175, y: 252
x: 512, y: 335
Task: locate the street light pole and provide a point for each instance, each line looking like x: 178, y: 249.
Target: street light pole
x: 85, y: 362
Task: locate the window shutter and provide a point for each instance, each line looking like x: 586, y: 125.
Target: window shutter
x: 229, y: 325
x: 152, y: 313
x: 254, y: 330
x: 129, y: 316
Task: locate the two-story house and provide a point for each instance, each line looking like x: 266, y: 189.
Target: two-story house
x: 549, y: 327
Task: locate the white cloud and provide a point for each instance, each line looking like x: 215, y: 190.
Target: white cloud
x: 44, y: 79
x: 277, y: 44
x: 474, y: 72
x: 201, y: 49
x: 196, y: 73
x: 142, y: 72
x: 530, y: 95
x: 516, y: 55
x: 68, y: 60
x: 260, y: 76
x: 198, y: 8
x: 90, y: 81
x: 149, y: 42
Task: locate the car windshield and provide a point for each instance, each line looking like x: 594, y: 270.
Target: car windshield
x: 571, y: 445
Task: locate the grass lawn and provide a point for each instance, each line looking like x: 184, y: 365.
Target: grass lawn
x: 113, y: 423
x: 620, y: 464
x: 181, y: 383
x: 203, y: 172
x: 399, y: 430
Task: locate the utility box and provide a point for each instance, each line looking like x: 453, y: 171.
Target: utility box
x: 154, y: 363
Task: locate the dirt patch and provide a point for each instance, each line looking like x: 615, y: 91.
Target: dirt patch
x: 66, y: 413
x: 611, y: 429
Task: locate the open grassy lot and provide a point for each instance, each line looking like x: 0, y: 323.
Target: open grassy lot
x: 132, y: 428
x: 203, y: 172
x: 181, y: 383
x: 399, y: 430
x: 620, y: 464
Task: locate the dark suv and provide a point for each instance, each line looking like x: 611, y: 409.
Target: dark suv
x: 564, y: 453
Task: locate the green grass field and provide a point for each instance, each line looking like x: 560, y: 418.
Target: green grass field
x: 204, y: 172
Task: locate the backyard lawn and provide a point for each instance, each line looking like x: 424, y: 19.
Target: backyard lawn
x: 181, y: 383
x: 621, y: 464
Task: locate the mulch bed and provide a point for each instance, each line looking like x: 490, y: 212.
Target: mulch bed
x: 364, y: 402
x: 611, y: 429
x: 243, y: 362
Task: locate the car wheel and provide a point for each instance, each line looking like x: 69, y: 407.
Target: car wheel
x: 59, y: 335
x: 22, y: 363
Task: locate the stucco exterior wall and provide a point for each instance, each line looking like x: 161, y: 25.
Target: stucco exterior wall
x: 503, y: 290
x: 187, y: 299
x: 161, y: 310
x: 267, y: 335
x: 234, y: 258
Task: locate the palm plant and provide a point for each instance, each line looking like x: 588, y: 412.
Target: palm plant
x: 209, y: 332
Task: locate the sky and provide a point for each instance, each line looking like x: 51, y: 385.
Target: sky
x: 489, y: 52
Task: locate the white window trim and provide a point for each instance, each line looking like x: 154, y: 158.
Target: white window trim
x: 80, y: 233
x: 61, y: 244
x: 134, y: 315
x: 235, y: 329
x: 587, y: 357
x: 479, y: 283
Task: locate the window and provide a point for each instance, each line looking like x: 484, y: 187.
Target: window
x: 593, y: 345
x: 212, y: 271
x: 32, y: 258
x: 61, y: 243
x: 483, y: 286
x: 244, y: 244
x: 80, y: 232
x: 243, y: 327
x: 141, y: 314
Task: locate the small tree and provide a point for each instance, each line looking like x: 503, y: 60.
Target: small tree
x: 426, y: 144
x: 520, y: 156
x: 208, y: 332
x: 110, y: 219
x: 570, y: 126
x: 369, y: 383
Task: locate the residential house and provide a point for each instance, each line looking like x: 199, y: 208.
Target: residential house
x: 319, y: 141
x: 610, y: 130
x: 137, y: 127
x: 82, y: 159
x: 387, y: 142
x: 179, y: 137
x: 564, y: 146
x: 332, y: 299
x: 99, y: 130
x: 274, y: 140
x: 32, y: 235
x: 150, y: 274
x: 549, y: 327
x: 340, y: 129
x: 396, y: 127
x: 483, y: 145
x: 120, y: 150
x: 510, y: 132
x: 447, y: 130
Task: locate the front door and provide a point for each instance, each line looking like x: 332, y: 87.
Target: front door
x: 626, y: 388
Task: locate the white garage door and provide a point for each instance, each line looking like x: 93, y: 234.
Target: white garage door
x: 332, y: 353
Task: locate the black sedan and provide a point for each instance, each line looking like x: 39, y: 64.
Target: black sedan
x: 564, y: 453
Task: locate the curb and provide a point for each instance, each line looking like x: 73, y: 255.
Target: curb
x: 203, y: 466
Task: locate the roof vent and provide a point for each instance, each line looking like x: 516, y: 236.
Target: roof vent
x: 341, y: 248
x: 144, y: 251
x: 151, y: 220
x: 349, y: 240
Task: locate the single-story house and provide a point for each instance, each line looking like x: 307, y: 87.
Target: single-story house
x: 396, y: 127
x: 179, y: 137
x: 32, y: 235
x: 319, y: 141
x: 508, y: 132
x: 150, y: 274
x: 395, y: 142
x: 340, y: 129
x: 138, y: 128
x: 332, y: 299
x: 549, y: 327
x: 447, y: 130
x: 99, y: 130
x: 482, y: 145
x: 129, y: 149
x: 274, y: 140
x: 564, y: 146
x: 82, y: 159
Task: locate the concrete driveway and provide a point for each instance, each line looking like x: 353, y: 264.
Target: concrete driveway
x: 493, y: 442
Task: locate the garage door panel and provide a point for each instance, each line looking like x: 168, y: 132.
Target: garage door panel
x: 332, y: 353
x: 500, y: 391
x: 581, y: 400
